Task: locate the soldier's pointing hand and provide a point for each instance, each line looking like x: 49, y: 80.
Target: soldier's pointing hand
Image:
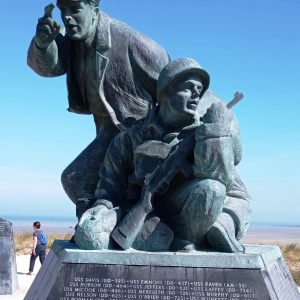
x: 47, y: 29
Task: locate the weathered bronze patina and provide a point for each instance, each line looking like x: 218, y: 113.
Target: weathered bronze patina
x: 166, y: 146
x: 112, y: 73
x: 169, y: 182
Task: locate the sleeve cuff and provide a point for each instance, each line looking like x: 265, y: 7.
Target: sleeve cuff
x: 106, y: 203
x: 212, y: 130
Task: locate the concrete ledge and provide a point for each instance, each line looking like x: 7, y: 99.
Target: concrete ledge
x: 256, y: 257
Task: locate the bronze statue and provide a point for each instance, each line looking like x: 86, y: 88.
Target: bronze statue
x: 169, y: 182
x: 143, y: 197
x: 112, y: 73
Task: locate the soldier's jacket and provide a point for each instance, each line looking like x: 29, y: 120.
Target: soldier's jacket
x: 138, y: 151
x: 127, y: 66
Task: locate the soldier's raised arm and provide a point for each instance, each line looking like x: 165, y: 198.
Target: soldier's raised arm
x: 47, y: 29
x: 47, y: 54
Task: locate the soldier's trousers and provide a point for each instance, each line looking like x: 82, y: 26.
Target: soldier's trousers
x: 193, y: 207
x: 80, y: 178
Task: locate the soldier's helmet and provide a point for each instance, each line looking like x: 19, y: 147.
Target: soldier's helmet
x: 177, y: 68
x: 96, y: 2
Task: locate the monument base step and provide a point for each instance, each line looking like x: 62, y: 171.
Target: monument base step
x: 70, y: 273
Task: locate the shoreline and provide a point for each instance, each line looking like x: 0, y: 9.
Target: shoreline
x: 256, y: 234
x: 259, y: 232
x: 276, y: 234
x: 46, y: 229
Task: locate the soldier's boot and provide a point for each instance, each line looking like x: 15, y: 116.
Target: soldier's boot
x: 221, y: 235
x: 154, y: 235
x: 182, y: 246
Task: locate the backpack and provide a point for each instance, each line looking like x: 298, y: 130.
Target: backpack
x: 44, y: 238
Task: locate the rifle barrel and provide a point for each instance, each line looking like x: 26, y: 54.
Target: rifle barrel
x: 237, y: 98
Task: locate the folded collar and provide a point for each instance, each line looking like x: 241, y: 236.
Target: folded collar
x: 103, y: 40
x: 151, y: 125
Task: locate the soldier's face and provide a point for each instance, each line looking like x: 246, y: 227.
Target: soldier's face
x: 184, y: 95
x: 79, y: 17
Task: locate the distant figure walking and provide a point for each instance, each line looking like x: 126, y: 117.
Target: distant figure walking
x: 39, y: 246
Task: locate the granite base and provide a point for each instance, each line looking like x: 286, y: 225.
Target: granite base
x: 69, y: 273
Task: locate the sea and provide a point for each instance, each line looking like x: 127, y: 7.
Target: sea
x: 258, y: 232
x: 49, y: 224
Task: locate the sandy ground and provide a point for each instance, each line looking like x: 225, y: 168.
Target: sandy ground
x: 25, y: 281
x: 47, y: 229
x: 272, y: 235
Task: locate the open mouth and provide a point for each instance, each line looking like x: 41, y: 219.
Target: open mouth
x: 71, y: 27
x: 192, y: 104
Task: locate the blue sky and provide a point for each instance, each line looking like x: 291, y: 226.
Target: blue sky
x: 247, y: 46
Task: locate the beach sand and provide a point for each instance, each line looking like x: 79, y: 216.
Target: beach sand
x: 272, y: 235
x: 46, y: 229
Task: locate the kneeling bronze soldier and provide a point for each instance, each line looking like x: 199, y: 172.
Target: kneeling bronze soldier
x: 169, y: 182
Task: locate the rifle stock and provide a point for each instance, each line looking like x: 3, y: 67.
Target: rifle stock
x: 125, y: 233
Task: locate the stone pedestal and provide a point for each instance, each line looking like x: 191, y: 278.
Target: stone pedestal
x: 73, y: 274
x: 8, y: 267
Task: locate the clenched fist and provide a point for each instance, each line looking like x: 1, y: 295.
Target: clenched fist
x: 47, y: 29
x: 95, y: 226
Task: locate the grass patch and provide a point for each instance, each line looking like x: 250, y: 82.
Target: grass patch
x: 291, y: 255
x: 24, y: 241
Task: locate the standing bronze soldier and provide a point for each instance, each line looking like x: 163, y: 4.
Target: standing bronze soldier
x: 112, y: 73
